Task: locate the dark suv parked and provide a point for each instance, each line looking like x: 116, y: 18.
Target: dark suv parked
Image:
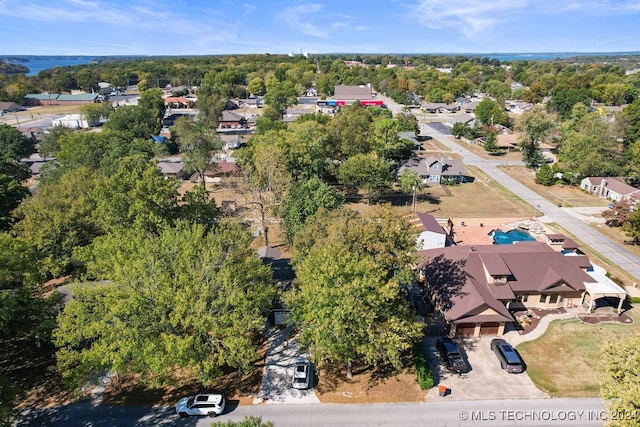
x: 451, y: 355
x: 509, y: 359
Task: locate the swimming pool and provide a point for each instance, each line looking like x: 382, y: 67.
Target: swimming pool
x: 506, y: 238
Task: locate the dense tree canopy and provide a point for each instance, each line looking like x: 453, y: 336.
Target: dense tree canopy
x: 622, y: 385
x: 347, y: 297
x: 185, y: 299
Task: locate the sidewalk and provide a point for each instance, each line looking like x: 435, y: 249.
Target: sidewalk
x: 514, y: 338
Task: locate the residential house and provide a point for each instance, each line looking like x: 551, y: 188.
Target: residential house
x: 222, y: 171
x: 230, y: 120
x: 35, y: 163
x: 178, y: 102
x: 517, y: 107
x: 435, y: 170
x: 507, y: 141
x: 172, y: 167
x: 475, y: 288
x: 430, y: 234
x: 411, y: 137
x: 439, y: 107
x: 464, y: 118
x: 612, y: 188
x: 9, y: 107
x: 469, y: 106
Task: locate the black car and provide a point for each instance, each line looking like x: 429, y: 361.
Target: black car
x: 452, y: 356
x: 509, y: 358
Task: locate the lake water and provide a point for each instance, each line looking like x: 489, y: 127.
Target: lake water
x: 39, y: 63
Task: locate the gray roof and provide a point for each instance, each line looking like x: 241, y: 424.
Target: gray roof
x: 422, y: 166
x: 362, y: 92
x: 78, y: 97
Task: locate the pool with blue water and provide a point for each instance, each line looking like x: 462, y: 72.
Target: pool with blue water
x: 508, y: 237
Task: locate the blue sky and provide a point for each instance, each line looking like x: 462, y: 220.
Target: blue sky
x: 201, y: 27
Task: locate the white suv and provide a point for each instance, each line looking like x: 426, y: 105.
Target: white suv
x: 201, y: 404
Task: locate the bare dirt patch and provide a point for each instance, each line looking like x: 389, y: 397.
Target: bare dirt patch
x: 234, y: 385
x: 369, y: 384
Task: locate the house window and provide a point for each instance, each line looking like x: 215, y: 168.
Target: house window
x: 435, y: 167
x: 522, y: 298
x: 553, y: 299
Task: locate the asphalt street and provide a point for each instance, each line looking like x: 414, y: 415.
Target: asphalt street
x: 611, y: 250
x: 481, y: 413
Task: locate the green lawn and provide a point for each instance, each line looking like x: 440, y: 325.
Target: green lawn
x: 566, y: 360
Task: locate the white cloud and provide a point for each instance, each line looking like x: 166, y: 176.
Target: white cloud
x: 467, y: 16
x: 606, y: 7
x: 297, y: 18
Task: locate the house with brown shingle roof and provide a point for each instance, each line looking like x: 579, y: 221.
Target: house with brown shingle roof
x: 475, y: 287
x: 429, y: 232
x: 612, y: 188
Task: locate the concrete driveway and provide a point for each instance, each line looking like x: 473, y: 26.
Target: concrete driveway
x: 278, y: 371
x: 486, y: 380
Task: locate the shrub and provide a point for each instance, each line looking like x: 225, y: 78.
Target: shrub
x: 423, y: 370
x: 634, y: 300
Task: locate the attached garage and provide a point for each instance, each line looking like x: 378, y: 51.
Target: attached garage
x: 465, y: 329
x: 489, y: 328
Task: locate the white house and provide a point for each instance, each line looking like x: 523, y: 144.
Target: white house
x: 431, y: 235
x: 612, y: 188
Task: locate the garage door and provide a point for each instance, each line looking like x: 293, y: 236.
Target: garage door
x: 465, y: 329
x: 489, y: 329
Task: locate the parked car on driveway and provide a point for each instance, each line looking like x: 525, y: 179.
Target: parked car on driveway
x: 509, y: 359
x: 452, y: 356
x: 201, y: 404
x: 302, y: 374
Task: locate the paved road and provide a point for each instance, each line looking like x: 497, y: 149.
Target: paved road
x: 531, y: 412
x: 611, y: 250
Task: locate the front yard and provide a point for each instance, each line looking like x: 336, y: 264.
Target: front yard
x: 565, y: 361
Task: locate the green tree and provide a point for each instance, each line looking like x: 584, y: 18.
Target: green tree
x: 279, y: 95
x: 185, y: 299
x: 12, y: 193
x: 387, y: 142
x: 410, y: 182
x: 545, y: 175
x: 13, y: 145
x: 490, y: 113
x: 459, y: 129
x: 26, y: 317
x: 303, y: 200
x: 621, y: 388
x: 138, y: 196
x: 199, y: 144
x: 366, y: 171
x: 139, y: 121
x: 256, y: 86
x: 94, y: 112
x: 351, y: 130
x: 59, y: 218
x: 51, y: 141
x: 535, y: 126
x: 347, y: 300
x: 491, y: 144
x: 264, y: 184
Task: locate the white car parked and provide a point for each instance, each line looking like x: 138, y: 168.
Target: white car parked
x: 201, y: 404
x: 302, y: 374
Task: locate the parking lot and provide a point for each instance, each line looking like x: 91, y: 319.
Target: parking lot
x: 485, y: 380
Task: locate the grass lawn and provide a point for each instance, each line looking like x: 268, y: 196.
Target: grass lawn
x: 565, y: 361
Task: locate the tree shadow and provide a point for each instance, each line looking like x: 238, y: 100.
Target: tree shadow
x: 444, y: 280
